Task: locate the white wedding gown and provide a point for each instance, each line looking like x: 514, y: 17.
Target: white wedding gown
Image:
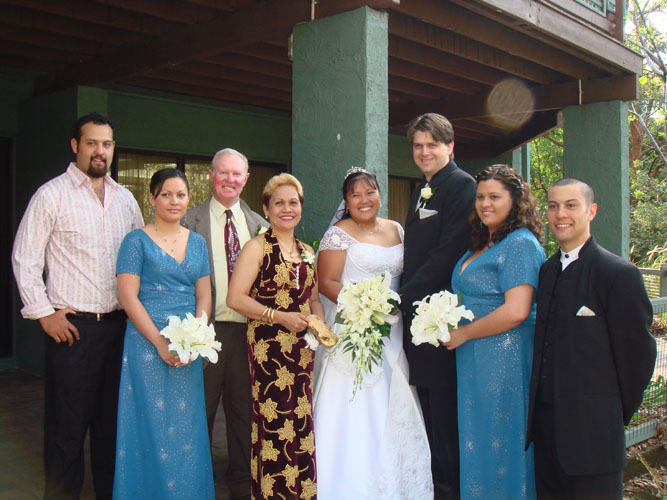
x: 374, y: 446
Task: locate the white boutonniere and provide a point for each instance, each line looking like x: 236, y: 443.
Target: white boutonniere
x: 308, y: 258
x: 261, y: 230
x: 426, y: 193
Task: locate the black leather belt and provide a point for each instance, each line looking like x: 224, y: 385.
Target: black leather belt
x: 117, y: 314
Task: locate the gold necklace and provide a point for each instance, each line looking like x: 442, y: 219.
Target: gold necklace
x: 282, y: 249
x: 178, y: 233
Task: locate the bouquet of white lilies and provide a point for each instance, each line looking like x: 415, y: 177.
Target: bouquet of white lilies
x: 367, y: 309
x: 191, y: 337
x: 435, y: 315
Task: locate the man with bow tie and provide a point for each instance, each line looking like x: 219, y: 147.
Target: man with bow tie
x: 594, y: 355
x: 437, y: 234
x: 227, y: 223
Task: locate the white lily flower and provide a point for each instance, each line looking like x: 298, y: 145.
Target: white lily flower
x: 191, y: 337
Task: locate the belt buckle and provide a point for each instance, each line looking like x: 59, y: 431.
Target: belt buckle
x: 99, y: 316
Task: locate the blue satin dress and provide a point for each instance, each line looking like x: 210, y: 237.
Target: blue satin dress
x: 162, y: 448
x: 493, y: 374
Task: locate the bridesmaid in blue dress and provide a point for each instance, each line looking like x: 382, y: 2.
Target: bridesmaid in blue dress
x: 497, y: 278
x: 162, y: 449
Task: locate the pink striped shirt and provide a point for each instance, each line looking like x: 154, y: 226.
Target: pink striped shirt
x: 66, y: 232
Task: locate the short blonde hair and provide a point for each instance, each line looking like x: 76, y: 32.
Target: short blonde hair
x: 276, y: 181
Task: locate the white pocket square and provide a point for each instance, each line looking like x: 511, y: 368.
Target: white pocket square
x: 585, y: 311
x: 425, y: 213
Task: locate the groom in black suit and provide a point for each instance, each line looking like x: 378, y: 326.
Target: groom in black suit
x: 437, y: 233
x: 593, y: 356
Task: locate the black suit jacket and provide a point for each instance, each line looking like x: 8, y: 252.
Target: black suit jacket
x: 433, y: 246
x: 602, y: 363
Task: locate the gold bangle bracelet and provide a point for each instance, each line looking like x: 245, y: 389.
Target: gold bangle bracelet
x: 261, y: 318
x: 273, y: 312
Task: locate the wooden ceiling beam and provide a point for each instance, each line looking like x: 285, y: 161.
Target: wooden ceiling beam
x: 449, y: 81
x: 548, y: 97
x: 239, y: 29
x: 456, y: 19
x: 174, y: 75
x: 569, y: 33
x: 168, y: 10
x: 472, y: 50
x: 48, y: 23
x: 27, y: 36
x: 415, y: 88
x: 92, y: 13
x: 242, y: 28
x: 179, y: 88
x: 267, y: 52
x: 236, y: 75
x: 539, y: 124
x: 239, y: 61
x: 417, y: 53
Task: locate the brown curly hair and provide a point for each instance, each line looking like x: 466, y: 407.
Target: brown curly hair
x: 522, y: 214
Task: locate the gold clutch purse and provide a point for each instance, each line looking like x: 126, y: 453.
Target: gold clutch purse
x: 321, y: 331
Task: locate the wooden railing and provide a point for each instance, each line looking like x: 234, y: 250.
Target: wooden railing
x: 655, y: 281
x: 654, y: 407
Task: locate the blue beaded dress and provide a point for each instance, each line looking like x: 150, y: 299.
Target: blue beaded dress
x: 493, y: 374
x: 162, y: 448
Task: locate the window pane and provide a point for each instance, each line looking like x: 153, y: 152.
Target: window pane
x: 135, y: 172
x: 252, y: 192
x: 200, y: 183
x: 398, y: 198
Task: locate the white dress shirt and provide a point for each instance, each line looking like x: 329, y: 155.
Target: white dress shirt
x: 68, y: 235
x: 567, y: 258
x: 218, y: 221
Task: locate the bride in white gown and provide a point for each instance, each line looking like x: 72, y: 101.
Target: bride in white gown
x: 373, y: 446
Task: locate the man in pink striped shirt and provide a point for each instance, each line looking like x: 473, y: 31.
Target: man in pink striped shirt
x: 71, y: 232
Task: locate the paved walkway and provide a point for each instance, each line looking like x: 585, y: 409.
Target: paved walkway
x: 22, y: 432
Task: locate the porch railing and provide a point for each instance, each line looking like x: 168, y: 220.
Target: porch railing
x: 655, y: 281
x: 654, y: 407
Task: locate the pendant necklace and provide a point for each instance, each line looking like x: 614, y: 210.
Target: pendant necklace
x: 173, y: 243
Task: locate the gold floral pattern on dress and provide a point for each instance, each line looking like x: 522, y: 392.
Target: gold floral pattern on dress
x: 260, y: 350
x: 287, y: 340
x: 268, y: 451
x: 291, y: 472
x: 284, y: 378
x: 286, y: 433
x: 254, y: 390
x: 251, y: 331
x: 281, y: 277
x: 305, y: 308
x: 283, y: 299
x: 268, y: 247
x: 267, y: 485
x: 268, y: 409
x: 254, y: 433
x: 253, y: 468
x: 308, y: 489
x: 308, y: 443
x: 309, y: 278
x: 303, y: 408
x: 306, y: 357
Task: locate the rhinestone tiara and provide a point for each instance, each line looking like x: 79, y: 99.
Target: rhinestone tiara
x: 355, y: 170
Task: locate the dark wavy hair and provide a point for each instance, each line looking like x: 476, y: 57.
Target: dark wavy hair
x: 522, y: 214
x: 350, y: 181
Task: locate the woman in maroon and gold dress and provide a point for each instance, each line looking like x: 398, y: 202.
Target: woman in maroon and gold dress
x: 274, y: 285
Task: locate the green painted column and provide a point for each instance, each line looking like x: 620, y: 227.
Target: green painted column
x: 595, y: 139
x: 340, y: 109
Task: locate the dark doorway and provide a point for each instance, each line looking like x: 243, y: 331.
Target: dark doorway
x: 6, y: 235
